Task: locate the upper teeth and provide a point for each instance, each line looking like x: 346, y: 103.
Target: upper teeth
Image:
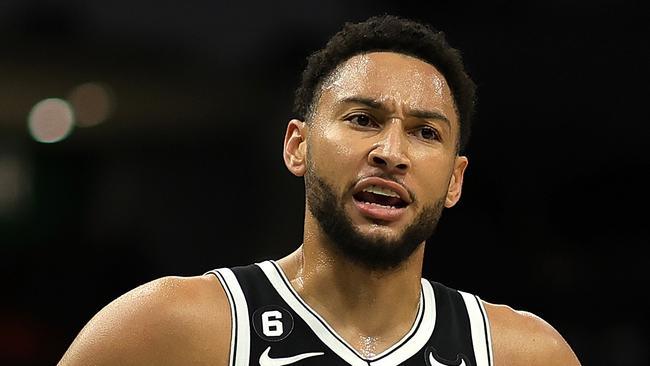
x: 381, y: 190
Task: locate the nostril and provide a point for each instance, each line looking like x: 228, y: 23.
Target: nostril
x: 402, y: 166
x: 378, y: 160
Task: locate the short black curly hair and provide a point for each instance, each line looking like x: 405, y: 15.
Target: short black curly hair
x: 394, y: 34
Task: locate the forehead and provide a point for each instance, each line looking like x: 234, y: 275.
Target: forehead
x: 392, y: 78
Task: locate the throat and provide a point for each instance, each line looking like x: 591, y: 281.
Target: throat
x: 372, y: 311
x: 370, y: 314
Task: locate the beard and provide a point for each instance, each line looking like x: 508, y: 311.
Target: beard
x: 374, y: 252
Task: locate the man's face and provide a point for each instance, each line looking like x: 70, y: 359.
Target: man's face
x: 381, y: 156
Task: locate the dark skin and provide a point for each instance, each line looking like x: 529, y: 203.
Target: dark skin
x: 379, y: 112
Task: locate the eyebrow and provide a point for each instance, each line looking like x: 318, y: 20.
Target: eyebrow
x: 374, y: 104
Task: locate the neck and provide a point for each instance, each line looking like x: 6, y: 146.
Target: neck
x: 370, y: 309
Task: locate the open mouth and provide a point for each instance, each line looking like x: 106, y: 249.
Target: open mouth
x: 374, y: 196
x: 380, y: 200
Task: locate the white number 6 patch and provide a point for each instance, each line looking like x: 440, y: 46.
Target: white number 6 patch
x: 271, y: 323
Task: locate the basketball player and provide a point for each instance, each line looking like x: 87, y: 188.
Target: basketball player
x: 384, y: 114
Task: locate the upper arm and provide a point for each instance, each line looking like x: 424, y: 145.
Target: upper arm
x: 171, y: 320
x: 522, y: 338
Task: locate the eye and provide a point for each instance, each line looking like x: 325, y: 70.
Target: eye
x: 429, y: 133
x: 362, y: 120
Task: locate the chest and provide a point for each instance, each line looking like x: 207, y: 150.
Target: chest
x: 273, y: 326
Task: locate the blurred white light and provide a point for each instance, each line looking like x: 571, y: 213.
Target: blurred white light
x: 50, y: 120
x: 92, y: 104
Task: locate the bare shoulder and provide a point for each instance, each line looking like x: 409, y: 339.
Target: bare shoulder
x: 523, y: 338
x: 168, y: 321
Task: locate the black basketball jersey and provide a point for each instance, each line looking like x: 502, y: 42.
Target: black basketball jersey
x: 273, y: 326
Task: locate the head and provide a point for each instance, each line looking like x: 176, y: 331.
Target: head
x: 390, y: 34
x: 384, y: 115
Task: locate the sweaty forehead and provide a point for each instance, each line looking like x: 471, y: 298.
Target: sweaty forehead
x: 393, y: 78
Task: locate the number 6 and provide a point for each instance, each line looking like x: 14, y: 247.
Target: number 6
x: 271, y: 325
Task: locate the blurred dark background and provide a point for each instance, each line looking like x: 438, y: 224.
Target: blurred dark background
x: 174, y: 166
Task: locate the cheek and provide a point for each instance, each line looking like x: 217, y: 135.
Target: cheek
x: 434, y: 177
x: 334, y: 151
x: 337, y: 142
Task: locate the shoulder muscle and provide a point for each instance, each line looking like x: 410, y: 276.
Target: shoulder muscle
x: 171, y: 320
x: 522, y: 338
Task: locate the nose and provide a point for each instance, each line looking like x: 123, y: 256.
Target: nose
x: 389, y: 152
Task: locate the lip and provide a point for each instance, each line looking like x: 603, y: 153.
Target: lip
x: 376, y: 181
x: 385, y: 214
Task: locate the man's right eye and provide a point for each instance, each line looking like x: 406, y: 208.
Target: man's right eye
x: 360, y: 120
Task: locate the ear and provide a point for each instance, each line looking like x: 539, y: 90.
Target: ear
x: 295, y: 147
x: 456, y: 181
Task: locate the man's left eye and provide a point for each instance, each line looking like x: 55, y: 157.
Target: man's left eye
x: 429, y: 133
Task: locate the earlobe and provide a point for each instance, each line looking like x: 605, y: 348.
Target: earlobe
x: 456, y: 181
x: 295, y: 147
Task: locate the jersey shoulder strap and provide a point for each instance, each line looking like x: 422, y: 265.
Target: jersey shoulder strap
x: 462, y: 327
x: 240, y: 323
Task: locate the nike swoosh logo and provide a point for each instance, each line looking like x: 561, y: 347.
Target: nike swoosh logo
x: 434, y: 362
x: 266, y: 360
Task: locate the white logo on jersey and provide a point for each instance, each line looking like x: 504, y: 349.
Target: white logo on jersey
x: 266, y: 360
x: 434, y: 362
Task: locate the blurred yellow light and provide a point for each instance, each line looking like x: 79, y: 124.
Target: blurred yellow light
x: 92, y: 104
x: 50, y: 120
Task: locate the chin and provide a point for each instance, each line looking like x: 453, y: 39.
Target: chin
x: 380, y: 232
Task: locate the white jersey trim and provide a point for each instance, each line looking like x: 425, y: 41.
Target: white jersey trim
x: 240, y: 328
x: 411, y: 343
x: 488, y: 331
x: 424, y: 331
x: 480, y: 328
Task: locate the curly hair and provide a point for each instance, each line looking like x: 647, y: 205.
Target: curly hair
x: 394, y: 34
